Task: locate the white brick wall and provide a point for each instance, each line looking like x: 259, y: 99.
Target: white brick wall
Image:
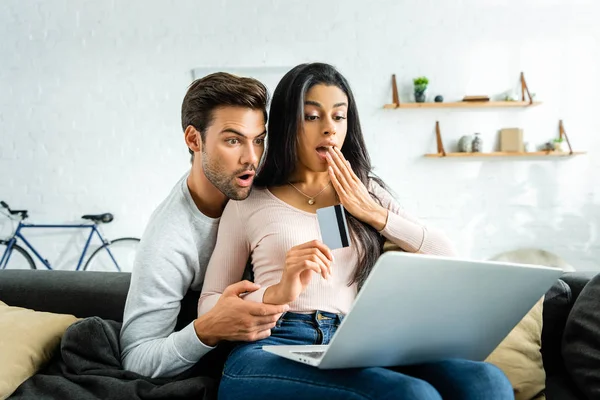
x: 90, y: 96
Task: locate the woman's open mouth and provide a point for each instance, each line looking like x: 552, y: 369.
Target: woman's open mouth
x: 322, y: 153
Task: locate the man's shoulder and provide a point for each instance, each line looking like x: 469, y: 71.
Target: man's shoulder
x: 171, y: 212
x: 176, y: 220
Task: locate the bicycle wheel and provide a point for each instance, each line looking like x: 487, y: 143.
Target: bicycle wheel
x: 19, y: 257
x: 119, y: 252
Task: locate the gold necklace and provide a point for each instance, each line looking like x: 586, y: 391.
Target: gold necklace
x: 311, y: 199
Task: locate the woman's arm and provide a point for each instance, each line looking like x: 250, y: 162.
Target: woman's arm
x: 222, y: 314
x: 388, y: 218
x: 407, y: 231
x: 228, y: 260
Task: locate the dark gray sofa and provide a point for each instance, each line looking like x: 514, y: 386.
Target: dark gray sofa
x: 86, y: 294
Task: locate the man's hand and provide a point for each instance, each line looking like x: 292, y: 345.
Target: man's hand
x: 235, y: 319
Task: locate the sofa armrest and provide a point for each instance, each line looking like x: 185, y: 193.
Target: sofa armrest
x: 81, y: 293
x: 557, y: 305
x: 577, y: 281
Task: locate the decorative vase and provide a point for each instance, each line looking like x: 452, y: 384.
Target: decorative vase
x: 420, y: 96
x: 477, y: 144
x: 548, y: 146
x: 465, y: 144
x: 439, y: 98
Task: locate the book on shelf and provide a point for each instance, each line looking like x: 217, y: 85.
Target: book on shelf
x: 476, y: 98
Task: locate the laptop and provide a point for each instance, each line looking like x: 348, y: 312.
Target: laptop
x: 415, y: 309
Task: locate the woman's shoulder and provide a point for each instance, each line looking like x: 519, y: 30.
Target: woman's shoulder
x: 259, y: 193
x: 256, y: 198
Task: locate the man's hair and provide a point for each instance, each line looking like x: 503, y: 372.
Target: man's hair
x: 217, y: 90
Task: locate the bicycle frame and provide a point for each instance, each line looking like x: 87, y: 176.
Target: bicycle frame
x: 18, y: 235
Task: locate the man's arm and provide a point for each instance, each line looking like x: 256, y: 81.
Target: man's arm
x: 162, y: 276
x: 235, y: 319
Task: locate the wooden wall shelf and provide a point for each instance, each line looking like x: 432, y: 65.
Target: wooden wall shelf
x: 526, y: 100
x: 539, y: 154
x: 465, y: 104
x: 562, y: 134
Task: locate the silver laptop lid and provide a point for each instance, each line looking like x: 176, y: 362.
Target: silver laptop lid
x: 417, y: 308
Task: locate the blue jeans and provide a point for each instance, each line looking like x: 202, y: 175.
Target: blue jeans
x: 251, y: 373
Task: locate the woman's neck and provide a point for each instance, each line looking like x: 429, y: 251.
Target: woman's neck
x: 302, y: 186
x: 310, y: 179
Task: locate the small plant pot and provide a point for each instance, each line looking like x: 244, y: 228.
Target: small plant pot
x: 558, y: 146
x: 420, y: 97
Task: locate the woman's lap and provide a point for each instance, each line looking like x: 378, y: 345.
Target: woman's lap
x: 463, y: 379
x: 253, y: 373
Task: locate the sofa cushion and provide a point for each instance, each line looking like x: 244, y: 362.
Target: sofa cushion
x: 581, y: 340
x: 28, y: 340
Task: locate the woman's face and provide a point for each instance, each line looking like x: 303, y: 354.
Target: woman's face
x: 325, y: 125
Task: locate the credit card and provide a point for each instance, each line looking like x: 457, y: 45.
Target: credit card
x: 333, y: 227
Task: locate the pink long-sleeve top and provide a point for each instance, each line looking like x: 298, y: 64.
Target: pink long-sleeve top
x: 266, y: 228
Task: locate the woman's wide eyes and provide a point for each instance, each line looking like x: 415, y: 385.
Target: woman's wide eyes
x: 316, y: 117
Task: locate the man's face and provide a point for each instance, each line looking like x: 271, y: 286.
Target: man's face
x: 232, y: 149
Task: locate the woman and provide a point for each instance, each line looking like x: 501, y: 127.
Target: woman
x: 316, y: 157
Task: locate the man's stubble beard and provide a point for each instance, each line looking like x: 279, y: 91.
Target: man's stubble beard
x: 225, y: 183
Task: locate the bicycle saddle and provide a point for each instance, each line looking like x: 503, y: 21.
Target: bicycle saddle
x: 22, y: 213
x: 99, y: 218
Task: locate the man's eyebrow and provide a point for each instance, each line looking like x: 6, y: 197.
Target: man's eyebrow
x: 317, y: 104
x: 237, y: 133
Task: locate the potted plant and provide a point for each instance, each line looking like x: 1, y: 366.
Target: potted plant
x: 420, y: 87
x: 558, y: 144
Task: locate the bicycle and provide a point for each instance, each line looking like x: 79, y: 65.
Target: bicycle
x: 102, y: 259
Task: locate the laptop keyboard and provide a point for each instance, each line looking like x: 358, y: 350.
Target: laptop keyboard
x: 311, y: 354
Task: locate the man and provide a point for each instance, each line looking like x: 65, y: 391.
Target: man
x: 223, y: 118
